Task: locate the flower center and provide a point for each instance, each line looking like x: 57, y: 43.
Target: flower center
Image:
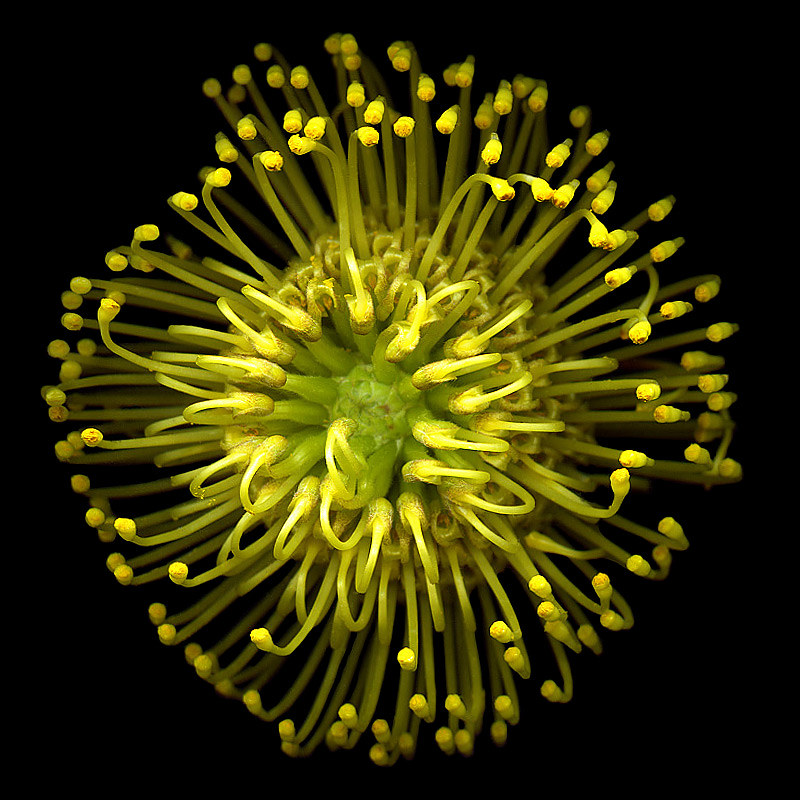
x: 378, y: 408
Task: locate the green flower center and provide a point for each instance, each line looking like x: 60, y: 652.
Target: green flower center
x: 379, y: 408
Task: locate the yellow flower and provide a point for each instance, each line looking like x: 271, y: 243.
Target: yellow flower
x: 382, y: 399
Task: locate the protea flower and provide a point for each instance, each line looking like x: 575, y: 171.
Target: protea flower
x: 397, y: 397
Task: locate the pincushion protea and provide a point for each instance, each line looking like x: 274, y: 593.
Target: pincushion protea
x: 386, y: 398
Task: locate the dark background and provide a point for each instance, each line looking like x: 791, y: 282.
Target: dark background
x: 117, y: 124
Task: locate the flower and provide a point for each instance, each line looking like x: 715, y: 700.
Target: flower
x: 384, y: 396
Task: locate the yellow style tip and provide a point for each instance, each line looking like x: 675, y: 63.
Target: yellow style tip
x: 348, y: 715
x: 293, y: 121
x: 123, y: 574
x: 401, y: 60
x: 315, y: 128
x: 426, y: 88
x: 618, y: 277
x: 262, y: 51
x: 501, y: 189
x: 252, y: 701
x: 666, y: 414
x: 620, y: 479
x: 540, y: 189
x: 696, y: 454
x: 373, y: 115
x: 658, y: 211
x: 381, y: 730
x: 407, y: 659
x: 540, y: 586
x: 499, y: 732
x: 579, y: 116
x: 178, y: 572
x: 514, y: 658
x: 368, y: 136
x: 212, y: 88
x: 537, y: 100
x: 500, y: 632
x: 116, y: 262
x: 379, y: 755
x: 612, y: 621
x: 707, y: 290
x: 218, y: 178
x: 276, y: 77
x: 403, y: 127
x: 548, y: 611
x: 167, y: 633
x: 300, y: 145
x: 157, y: 613
x: 286, y: 730
x: 184, y: 201
x: 419, y: 705
x: 634, y: 459
x: 271, y: 160
x: 125, y: 527
x: 445, y: 739
x: 504, y: 706
x: 455, y: 705
x: 356, y: 95
x: 146, y: 233
x: 558, y: 155
x: 447, y: 122
x: 674, y: 309
x: 596, y: 143
x: 661, y: 252
x: 503, y: 101
x: 638, y: 566
x: 262, y: 639
x: 492, y: 150
x: 564, y: 194
x: 406, y: 744
x: 95, y: 517
x: 601, y: 584
x: 640, y: 332
x: 720, y: 331
x: 464, y: 742
x: 730, y: 469
x: 91, y: 437
x: 246, y: 129
x: 299, y: 77
x: 552, y: 692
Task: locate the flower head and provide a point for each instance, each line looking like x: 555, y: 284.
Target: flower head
x: 380, y: 397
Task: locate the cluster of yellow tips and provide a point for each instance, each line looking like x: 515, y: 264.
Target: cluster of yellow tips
x: 394, y: 430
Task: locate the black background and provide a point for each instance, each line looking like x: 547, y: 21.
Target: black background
x: 116, y: 123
